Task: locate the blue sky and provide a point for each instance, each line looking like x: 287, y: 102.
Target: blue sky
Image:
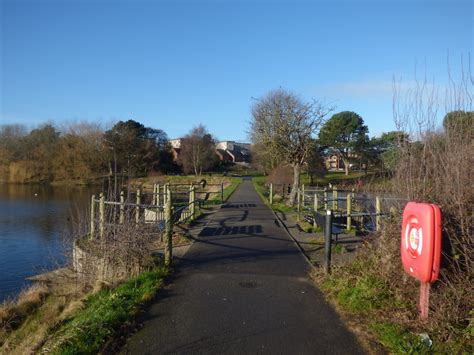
x: 175, y: 64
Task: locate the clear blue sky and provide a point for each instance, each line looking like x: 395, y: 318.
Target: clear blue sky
x: 175, y: 64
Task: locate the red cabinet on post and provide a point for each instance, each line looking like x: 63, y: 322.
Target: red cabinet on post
x: 421, y: 241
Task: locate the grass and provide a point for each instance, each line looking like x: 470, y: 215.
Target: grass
x: 335, y: 177
x: 229, y: 189
x: 104, y: 315
x: 360, y: 292
x: 13, y: 313
x: 398, y: 340
x: 259, y: 184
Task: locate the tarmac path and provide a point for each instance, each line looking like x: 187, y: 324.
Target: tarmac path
x: 243, y: 288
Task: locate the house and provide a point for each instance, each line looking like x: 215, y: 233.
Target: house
x: 227, y: 151
x: 333, y: 162
x: 235, y: 152
x: 175, y: 148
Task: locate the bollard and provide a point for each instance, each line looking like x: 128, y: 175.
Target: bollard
x: 222, y: 192
x: 378, y: 210
x: 168, y: 229
x: 92, y: 217
x: 271, y: 194
x: 122, y: 207
x: 327, y: 242
x: 137, y: 208
x: 349, y: 211
x: 334, y: 199
x: 101, y: 215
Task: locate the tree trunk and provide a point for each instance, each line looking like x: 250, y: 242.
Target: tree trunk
x: 346, y: 166
x: 296, y: 183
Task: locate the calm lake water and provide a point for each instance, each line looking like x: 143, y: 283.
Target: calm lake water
x: 35, y: 222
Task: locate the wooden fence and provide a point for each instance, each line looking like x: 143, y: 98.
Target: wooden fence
x: 349, y: 205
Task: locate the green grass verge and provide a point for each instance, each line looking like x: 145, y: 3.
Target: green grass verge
x: 398, y: 340
x: 335, y: 177
x: 259, y: 184
x: 360, y: 291
x: 104, y: 314
x: 228, y: 191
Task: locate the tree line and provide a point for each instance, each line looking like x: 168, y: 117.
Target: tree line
x: 285, y: 130
x: 86, y: 152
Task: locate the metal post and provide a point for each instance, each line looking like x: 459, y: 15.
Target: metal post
x: 137, y: 207
x: 271, y: 194
x: 222, y: 192
x: 327, y: 242
x: 122, y: 207
x: 92, y: 217
x: 424, y: 300
x: 334, y: 199
x: 349, y: 211
x: 101, y: 215
x: 168, y: 230
x: 378, y: 210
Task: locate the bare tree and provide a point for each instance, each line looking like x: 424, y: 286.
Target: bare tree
x: 285, y: 126
x: 197, y: 151
x: 437, y: 165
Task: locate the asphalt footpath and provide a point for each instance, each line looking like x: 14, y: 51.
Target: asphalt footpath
x: 242, y: 288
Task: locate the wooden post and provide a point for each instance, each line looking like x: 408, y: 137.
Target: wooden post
x: 92, y: 229
x: 122, y: 207
x: 325, y: 199
x: 222, y: 192
x: 158, y: 195
x: 298, y: 201
x: 302, y: 195
x: 315, y: 207
x: 378, y: 210
x: 192, y: 201
x: 327, y: 242
x: 168, y: 229
x: 137, y: 207
x: 271, y: 194
x: 334, y: 199
x: 101, y: 215
x: 349, y: 211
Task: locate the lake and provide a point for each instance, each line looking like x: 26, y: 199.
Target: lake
x: 35, y: 226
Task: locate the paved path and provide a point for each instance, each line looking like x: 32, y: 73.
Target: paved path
x: 242, y: 289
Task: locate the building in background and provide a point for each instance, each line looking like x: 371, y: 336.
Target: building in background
x: 227, y: 151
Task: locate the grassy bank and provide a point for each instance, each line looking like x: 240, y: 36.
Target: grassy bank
x: 86, y: 323
x: 382, y: 307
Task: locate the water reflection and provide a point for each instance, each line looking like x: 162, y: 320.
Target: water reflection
x: 33, y: 222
